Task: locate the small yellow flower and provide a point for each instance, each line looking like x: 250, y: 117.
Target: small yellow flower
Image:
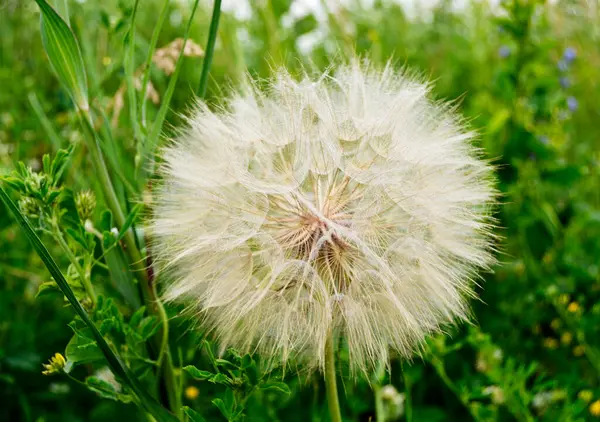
x: 192, y: 392
x: 550, y: 343
x: 106, y: 60
x: 55, y: 365
x: 548, y: 258
x: 555, y: 324
x: 578, y: 350
x: 595, y: 408
x: 573, y: 307
x: 585, y: 395
x: 566, y: 338
x: 563, y: 299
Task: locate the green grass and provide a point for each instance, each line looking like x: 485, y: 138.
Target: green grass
x: 533, y: 352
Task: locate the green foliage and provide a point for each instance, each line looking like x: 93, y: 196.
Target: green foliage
x: 91, y: 136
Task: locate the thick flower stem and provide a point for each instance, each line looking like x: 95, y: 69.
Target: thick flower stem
x: 330, y: 381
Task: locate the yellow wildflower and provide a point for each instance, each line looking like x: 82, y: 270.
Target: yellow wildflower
x: 585, y: 395
x: 566, y: 338
x: 55, y: 365
x: 595, y: 408
x: 578, y: 350
x: 192, y: 392
x: 550, y: 343
x: 573, y: 307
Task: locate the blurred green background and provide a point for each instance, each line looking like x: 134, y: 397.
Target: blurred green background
x: 524, y: 73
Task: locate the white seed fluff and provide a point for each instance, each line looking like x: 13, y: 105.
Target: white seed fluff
x: 351, y: 205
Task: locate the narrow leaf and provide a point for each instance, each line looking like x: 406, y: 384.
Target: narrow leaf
x: 64, y: 54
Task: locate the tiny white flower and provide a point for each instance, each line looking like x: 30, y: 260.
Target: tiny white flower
x: 349, y: 204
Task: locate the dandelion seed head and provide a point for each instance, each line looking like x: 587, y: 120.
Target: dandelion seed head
x: 350, y: 204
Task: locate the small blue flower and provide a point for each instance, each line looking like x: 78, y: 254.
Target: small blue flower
x: 564, y: 82
x: 504, y: 51
x: 563, y: 66
x: 569, y: 54
x: 544, y: 139
x: 572, y: 103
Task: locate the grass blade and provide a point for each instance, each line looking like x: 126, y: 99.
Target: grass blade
x: 116, y: 365
x: 64, y: 54
x: 152, y: 141
x: 53, y: 136
x: 148, y: 62
x: 210, y: 48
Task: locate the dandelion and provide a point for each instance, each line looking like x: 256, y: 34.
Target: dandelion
x: 351, y: 206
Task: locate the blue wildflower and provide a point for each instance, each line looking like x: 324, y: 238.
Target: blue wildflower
x: 569, y: 54
x: 564, y: 82
x: 504, y: 51
x: 544, y: 139
x: 572, y: 103
x: 563, y: 66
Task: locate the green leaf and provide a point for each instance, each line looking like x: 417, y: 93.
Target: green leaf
x: 64, y: 54
x: 276, y: 386
x: 193, y: 415
x: 81, y: 349
x: 47, y: 288
x: 197, y: 373
x: 106, y: 389
x: 225, y: 411
x: 146, y: 401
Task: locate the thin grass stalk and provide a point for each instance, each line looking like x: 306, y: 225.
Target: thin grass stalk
x: 210, y: 48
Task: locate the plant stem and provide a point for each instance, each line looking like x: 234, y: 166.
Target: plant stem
x: 210, y: 48
x: 379, y: 416
x: 85, y: 281
x: 330, y: 381
x: 148, y: 288
x: 407, y: 396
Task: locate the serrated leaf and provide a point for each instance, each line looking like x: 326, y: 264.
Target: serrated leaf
x: 64, y: 54
x: 281, y: 387
x: 193, y: 415
x: 197, y: 373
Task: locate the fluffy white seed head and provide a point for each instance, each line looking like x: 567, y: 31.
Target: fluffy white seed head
x: 351, y: 205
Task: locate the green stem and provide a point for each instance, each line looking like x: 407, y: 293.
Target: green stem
x: 87, y: 284
x: 407, y: 396
x: 379, y: 414
x: 330, y: 381
x: 210, y: 48
x: 138, y: 266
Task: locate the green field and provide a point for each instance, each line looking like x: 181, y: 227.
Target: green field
x: 524, y: 74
